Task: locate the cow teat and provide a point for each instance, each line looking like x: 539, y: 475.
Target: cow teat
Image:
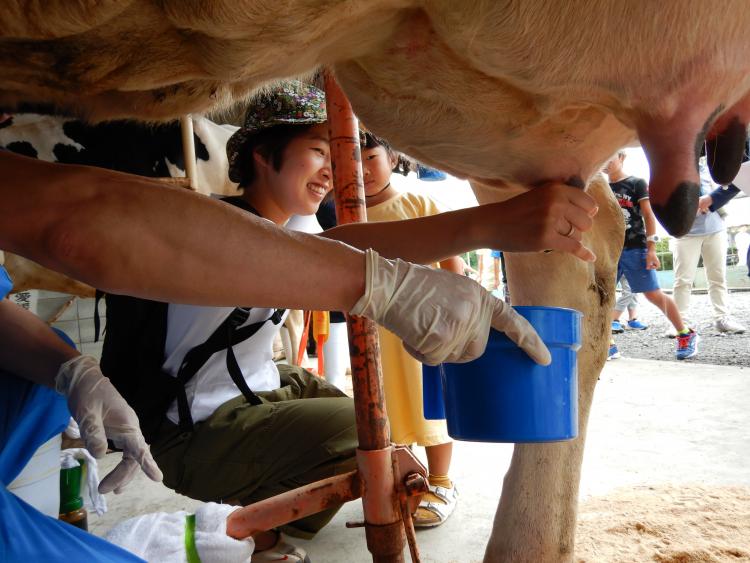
x: 672, y: 147
x: 725, y: 148
x: 678, y: 213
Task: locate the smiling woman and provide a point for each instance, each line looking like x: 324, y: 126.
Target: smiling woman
x: 281, y: 157
x: 243, y: 429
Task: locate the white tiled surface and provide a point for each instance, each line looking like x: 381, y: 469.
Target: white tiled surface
x: 76, y: 320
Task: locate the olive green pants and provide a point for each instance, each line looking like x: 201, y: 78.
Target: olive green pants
x: 303, y: 432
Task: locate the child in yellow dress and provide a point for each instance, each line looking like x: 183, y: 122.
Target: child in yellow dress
x: 402, y: 374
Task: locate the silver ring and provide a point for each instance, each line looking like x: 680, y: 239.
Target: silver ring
x: 570, y: 232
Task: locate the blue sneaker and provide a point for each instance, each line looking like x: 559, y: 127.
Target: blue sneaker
x: 614, y: 353
x: 635, y: 324
x: 687, y: 345
x: 617, y: 327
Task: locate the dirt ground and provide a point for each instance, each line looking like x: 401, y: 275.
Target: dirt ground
x: 714, y: 347
x: 665, y: 477
x: 666, y: 524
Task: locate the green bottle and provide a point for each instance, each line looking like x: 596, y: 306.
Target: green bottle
x: 71, y: 502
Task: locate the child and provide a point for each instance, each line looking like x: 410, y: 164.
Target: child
x: 402, y: 374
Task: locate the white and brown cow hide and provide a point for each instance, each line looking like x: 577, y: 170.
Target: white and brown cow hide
x: 509, y: 94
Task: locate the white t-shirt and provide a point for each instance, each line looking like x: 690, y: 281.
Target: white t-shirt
x: 212, y: 386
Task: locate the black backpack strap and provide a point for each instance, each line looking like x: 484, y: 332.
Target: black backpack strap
x: 224, y: 337
x: 98, y: 294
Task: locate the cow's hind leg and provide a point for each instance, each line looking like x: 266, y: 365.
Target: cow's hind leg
x: 535, y: 521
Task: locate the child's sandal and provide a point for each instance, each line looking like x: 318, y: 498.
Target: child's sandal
x: 436, y: 506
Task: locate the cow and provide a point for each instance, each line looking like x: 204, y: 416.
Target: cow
x: 127, y: 146
x: 147, y: 150
x: 509, y: 95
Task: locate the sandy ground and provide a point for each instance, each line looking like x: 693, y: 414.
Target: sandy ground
x: 665, y: 477
x: 667, y: 523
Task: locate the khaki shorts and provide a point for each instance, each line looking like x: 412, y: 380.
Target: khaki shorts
x: 303, y: 432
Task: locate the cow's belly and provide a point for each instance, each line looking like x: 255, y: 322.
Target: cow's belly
x: 493, y: 92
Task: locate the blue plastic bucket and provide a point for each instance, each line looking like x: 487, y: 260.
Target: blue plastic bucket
x: 433, y: 405
x: 503, y: 396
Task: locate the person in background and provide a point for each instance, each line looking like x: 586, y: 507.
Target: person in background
x: 638, y: 261
x: 402, y: 374
x: 627, y: 300
x: 707, y: 239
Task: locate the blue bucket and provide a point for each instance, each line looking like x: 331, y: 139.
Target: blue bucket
x: 433, y: 405
x: 503, y: 396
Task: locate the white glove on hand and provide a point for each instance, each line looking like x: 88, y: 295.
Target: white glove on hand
x: 440, y: 316
x: 102, y: 413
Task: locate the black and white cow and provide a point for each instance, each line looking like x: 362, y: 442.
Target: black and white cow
x: 127, y: 146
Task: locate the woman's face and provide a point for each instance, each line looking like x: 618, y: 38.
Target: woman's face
x: 305, y: 175
x: 376, y: 166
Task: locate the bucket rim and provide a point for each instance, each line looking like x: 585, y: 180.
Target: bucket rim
x: 547, y: 308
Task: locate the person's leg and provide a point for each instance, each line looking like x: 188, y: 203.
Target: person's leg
x: 439, y: 503
x: 303, y: 432
x: 667, y: 306
x: 619, y: 306
x: 643, y: 280
x: 439, y: 460
x: 715, y: 262
x: 629, y: 299
x: 687, y: 252
x: 687, y: 338
x: 622, y: 301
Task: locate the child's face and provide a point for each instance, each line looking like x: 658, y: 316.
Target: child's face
x: 305, y: 176
x: 377, y: 166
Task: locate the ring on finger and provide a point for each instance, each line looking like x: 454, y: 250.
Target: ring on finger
x: 570, y: 232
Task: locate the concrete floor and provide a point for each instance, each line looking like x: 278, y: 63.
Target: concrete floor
x: 651, y: 423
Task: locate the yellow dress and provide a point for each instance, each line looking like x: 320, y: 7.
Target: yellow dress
x: 402, y: 374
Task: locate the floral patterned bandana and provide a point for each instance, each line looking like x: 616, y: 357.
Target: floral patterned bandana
x: 291, y: 102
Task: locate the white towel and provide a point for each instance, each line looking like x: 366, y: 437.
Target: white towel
x: 160, y: 536
x: 91, y: 497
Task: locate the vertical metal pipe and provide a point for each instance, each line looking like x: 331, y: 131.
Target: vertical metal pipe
x: 385, y: 537
x: 188, y: 149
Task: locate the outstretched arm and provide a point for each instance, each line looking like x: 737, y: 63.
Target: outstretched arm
x: 30, y: 349
x: 128, y: 234
x: 536, y: 220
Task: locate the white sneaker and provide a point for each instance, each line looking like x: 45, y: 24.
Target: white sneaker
x: 729, y: 325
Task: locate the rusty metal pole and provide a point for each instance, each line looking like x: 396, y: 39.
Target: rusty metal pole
x: 383, y: 525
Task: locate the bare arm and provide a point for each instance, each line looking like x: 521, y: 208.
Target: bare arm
x: 649, y: 220
x: 453, y: 264
x: 129, y: 234
x: 534, y: 221
x: 30, y: 349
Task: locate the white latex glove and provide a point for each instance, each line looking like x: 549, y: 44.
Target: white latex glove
x: 440, y: 316
x: 102, y: 413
